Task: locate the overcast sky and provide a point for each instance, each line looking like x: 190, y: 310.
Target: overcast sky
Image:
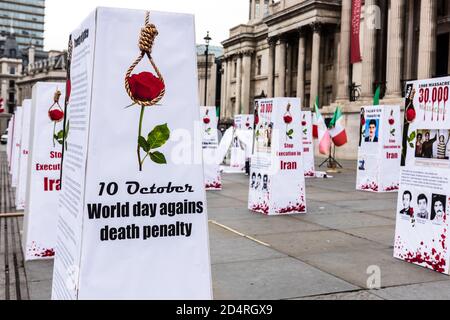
x: 216, y: 16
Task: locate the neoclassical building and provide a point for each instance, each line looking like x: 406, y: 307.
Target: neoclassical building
x: 301, y: 48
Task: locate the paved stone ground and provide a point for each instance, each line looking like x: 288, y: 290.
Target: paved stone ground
x: 322, y: 255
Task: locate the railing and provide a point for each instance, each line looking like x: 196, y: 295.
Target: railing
x: 355, y: 92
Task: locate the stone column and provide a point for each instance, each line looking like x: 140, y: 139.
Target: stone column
x: 238, y: 105
x: 280, y: 84
x: 344, y: 53
x: 369, y: 54
x: 246, y: 81
x: 270, y: 68
x: 289, y: 70
x: 301, y: 66
x: 223, y: 106
x: 315, y: 64
x: 409, y: 53
x: 229, y: 112
x: 427, y: 41
x: 395, y: 48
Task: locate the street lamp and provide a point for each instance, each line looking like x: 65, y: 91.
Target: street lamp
x: 207, y: 40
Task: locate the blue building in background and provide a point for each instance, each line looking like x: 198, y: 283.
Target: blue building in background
x: 24, y: 18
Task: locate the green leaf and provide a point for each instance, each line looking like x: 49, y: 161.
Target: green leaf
x: 67, y: 129
x: 158, y: 157
x: 291, y: 132
x: 60, y: 135
x: 411, y: 145
x: 143, y: 144
x: 158, y: 137
x: 412, y: 137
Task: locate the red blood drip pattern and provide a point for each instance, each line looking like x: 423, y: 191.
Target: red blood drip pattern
x: 39, y: 252
x: 431, y: 258
x: 371, y: 186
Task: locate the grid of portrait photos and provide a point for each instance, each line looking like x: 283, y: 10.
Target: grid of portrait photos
x: 424, y: 206
x: 260, y: 182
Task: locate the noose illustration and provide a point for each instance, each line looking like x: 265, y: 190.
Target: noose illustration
x: 146, y: 40
x: 55, y: 113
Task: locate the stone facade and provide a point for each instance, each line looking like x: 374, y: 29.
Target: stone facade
x: 301, y: 48
x: 51, y: 69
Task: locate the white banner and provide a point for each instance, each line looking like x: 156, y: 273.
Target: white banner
x: 10, y: 142
x: 379, y: 149
x: 277, y: 181
x: 46, y: 135
x: 15, y: 163
x: 308, y: 144
x: 24, y: 154
x: 422, y: 231
x: 213, y: 178
x: 133, y: 213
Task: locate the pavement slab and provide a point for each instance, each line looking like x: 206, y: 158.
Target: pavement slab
x: 273, y: 279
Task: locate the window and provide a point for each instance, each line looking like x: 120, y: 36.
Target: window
x: 12, y: 70
x: 12, y: 84
x: 235, y: 70
x: 258, y: 66
x: 257, y: 8
x: 266, y: 8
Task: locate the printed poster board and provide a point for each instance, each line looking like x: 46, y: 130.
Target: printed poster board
x: 277, y: 181
x: 24, y: 154
x: 308, y: 144
x: 133, y: 215
x: 379, y: 151
x: 44, y: 169
x: 210, y: 121
x: 422, y: 230
x: 10, y: 142
x: 239, y: 151
x: 15, y: 163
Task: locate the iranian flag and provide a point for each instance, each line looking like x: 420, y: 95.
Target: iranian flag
x: 322, y: 132
x: 337, y: 129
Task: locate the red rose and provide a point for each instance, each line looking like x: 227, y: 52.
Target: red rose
x: 256, y: 120
x: 411, y: 115
x: 56, y: 115
x: 304, y: 123
x: 288, y: 119
x: 206, y: 120
x: 145, y: 86
x: 391, y: 122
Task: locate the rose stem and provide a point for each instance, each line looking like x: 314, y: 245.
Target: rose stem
x: 54, y: 132
x: 141, y: 119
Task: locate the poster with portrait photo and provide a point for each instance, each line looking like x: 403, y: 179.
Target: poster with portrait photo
x: 425, y: 172
x: 277, y: 181
x: 379, y: 154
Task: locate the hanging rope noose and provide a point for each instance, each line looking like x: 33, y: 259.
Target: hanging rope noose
x: 146, y: 40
